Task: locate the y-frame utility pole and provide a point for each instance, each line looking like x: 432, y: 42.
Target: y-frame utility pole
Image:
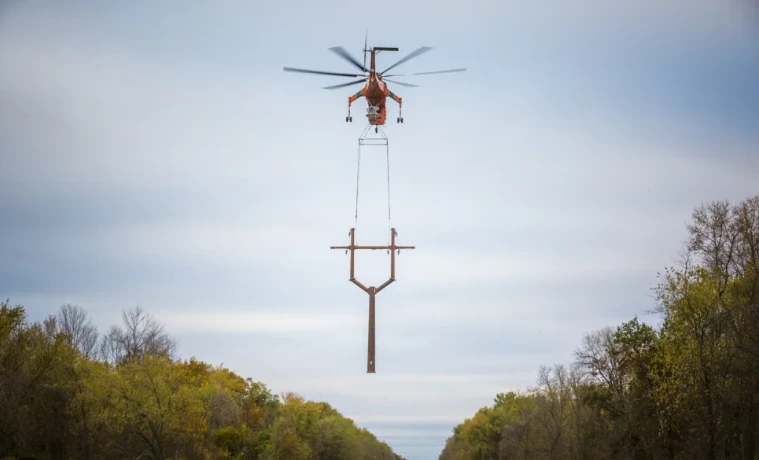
x: 372, y: 291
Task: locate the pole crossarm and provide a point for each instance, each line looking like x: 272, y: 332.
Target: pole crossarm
x: 372, y: 247
x: 393, y: 248
x: 371, y: 290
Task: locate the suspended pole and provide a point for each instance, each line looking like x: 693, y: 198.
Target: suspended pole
x: 391, y: 247
x: 371, y: 290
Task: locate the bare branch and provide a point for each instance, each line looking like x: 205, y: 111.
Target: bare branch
x: 73, y: 321
x: 141, y: 336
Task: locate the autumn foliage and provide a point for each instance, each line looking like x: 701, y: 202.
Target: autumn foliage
x: 688, y: 389
x: 66, y: 393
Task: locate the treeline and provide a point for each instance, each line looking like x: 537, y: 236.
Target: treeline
x: 68, y: 393
x: 688, y: 389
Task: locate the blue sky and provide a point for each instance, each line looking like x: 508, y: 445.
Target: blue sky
x: 157, y: 155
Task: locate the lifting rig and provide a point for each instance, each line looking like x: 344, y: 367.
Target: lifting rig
x: 392, y: 248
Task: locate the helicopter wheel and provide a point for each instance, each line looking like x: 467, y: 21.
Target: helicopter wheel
x: 376, y: 129
x: 401, y: 119
x: 346, y: 119
x: 351, y: 119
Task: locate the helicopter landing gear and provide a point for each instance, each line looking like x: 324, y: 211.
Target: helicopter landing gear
x: 349, y: 119
x: 376, y: 129
x: 399, y: 120
x: 400, y: 114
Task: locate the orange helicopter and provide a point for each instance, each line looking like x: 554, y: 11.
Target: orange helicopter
x: 376, y: 90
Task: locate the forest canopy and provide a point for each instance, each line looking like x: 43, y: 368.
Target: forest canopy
x: 688, y: 389
x: 68, y: 393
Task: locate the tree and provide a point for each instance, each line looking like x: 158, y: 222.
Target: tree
x: 32, y: 393
x: 724, y: 239
x: 141, y: 336
x: 73, y: 322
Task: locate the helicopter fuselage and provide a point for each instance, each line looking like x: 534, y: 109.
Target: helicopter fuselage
x: 376, y: 92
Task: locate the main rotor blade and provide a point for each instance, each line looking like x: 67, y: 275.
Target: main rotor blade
x: 343, y: 85
x: 426, y: 73
x: 340, y: 51
x: 411, y: 55
x: 321, y: 72
x: 400, y: 83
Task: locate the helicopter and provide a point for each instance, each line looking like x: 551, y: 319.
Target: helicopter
x: 375, y: 89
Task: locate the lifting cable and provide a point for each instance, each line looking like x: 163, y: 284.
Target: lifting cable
x: 358, y: 177
x: 358, y: 172
x: 389, y: 223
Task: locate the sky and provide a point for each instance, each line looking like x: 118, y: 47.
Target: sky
x: 156, y: 154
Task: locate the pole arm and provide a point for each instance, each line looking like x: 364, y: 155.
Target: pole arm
x: 373, y: 248
x: 392, y: 248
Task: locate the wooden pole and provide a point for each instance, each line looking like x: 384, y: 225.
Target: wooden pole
x: 370, y: 358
